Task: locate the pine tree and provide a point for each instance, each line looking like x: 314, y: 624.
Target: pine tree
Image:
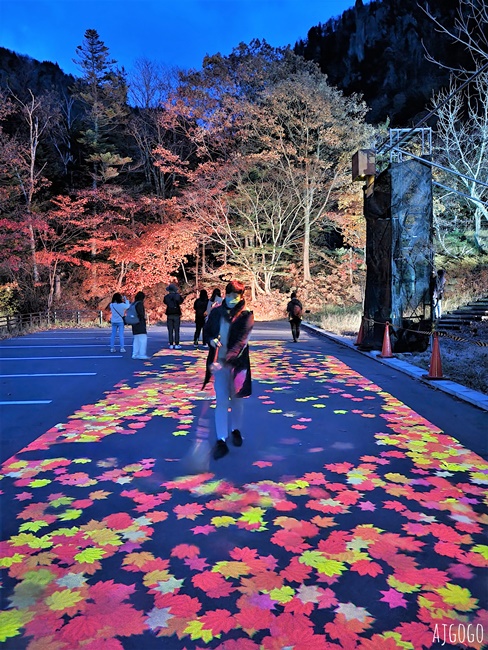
x: 102, y: 90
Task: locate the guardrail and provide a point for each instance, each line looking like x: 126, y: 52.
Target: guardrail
x: 16, y: 323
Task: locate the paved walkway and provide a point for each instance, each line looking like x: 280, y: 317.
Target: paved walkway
x: 451, y: 387
x: 352, y: 517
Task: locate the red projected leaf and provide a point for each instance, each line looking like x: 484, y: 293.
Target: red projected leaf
x: 214, y: 584
x: 126, y: 621
x: 339, y: 468
x: 296, y: 571
x: 367, y: 568
x: 119, y: 521
x: 245, y: 554
x: 181, y: 606
x: 81, y: 628
x: 418, y: 634
x: 218, y: 621
x: 290, y: 541
x: 335, y: 542
x: 185, y: 550
x: 449, y: 549
x: 188, y: 511
x: 108, y: 595
x: 394, y: 505
x: 254, y: 618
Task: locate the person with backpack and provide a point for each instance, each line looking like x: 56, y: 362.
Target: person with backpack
x: 227, y: 331
x: 200, y: 307
x: 173, y: 300
x: 139, y: 329
x: 294, y: 309
x: 117, y: 310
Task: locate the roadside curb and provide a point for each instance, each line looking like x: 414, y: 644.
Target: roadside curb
x: 473, y: 397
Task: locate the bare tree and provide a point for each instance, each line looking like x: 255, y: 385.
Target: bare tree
x: 39, y: 115
x: 462, y: 112
x: 462, y: 130
x: 150, y: 83
x: 469, y: 30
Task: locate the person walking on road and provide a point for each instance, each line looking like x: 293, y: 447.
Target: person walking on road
x: 139, y: 330
x: 117, y: 310
x: 200, y: 307
x: 294, y: 309
x: 173, y: 300
x: 227, y: 331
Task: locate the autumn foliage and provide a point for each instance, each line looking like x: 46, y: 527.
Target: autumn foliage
x: 241, y: 170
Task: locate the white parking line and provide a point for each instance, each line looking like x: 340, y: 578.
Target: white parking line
x: 35, y: 401
x: 37, y: 347
x: 54, y: 374
x: 103, y: 356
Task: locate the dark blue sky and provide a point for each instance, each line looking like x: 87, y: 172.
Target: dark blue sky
x: 172, y: 32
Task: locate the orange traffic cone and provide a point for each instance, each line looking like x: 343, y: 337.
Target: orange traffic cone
x: 386, y: 349
x: 435, y: 368
x: 360, y: 337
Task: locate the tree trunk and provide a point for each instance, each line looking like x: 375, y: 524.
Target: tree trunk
x: 32, y: 246
x: 306, y: 249
x: 57, y: 286
x: 196, y: 266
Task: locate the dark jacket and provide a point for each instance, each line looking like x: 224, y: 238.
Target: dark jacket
x: 140, y: 327
x: 173, y: 300
x: 289, y: 309
x: 200, y: 307
x: 237, y: 357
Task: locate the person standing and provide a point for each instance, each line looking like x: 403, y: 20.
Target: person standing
x: 439, y: 286
x: 227, y: 331
x: 200, y: 307
x: 294, y: 309
x: 117, y: 310
x: 173, y: 300
x: 215, y: 300
x: 139, y: 330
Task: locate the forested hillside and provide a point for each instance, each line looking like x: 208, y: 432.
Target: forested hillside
x: 379, y: 50
x: 111, y: 182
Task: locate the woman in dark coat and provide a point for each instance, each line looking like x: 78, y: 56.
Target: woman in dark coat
x: 173, y: 300
x: 200, y: 307
x: 227, y: 330
x: 139, y: 330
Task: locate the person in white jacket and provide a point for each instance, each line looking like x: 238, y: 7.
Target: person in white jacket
x: 117, y: 309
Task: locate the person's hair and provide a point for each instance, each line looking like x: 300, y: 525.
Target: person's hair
x: 117, y: 298
x: 235, y: 287
x: 203, y: 294
x: 293, y: 295
x: 216, y: 292
x: 139, y: 296
x: 440, y: 272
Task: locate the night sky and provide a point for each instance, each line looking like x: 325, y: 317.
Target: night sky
x: 175, y: 34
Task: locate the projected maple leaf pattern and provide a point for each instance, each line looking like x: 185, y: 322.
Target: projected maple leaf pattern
x: 321, y: 546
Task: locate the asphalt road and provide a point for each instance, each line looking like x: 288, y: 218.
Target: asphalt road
x: 47, y: 376
x: 352, y: 516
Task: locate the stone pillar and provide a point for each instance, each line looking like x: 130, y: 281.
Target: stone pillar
x: 398, y: 212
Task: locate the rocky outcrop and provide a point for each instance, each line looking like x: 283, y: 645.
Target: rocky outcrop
x: 379, y: 51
